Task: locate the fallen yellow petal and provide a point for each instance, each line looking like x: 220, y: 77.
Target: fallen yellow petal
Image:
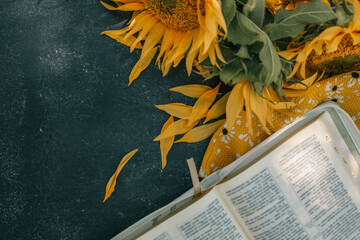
x: 235, y: 103
x: 192, y: 90
x: 218, y: 109
x: 176, y: 128
x: 202, y: 132
x: 203, y: 104
x: 110, y: 186
x: 178, y: 110
x: 166, y: 143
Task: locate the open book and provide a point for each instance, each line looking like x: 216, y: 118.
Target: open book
x: 304, y: 185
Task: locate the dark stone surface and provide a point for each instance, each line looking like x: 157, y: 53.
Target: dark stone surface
x: 68, y: 117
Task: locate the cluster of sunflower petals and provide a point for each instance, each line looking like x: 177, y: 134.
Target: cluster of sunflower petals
x: 232, y: 103
x: 189, y: 117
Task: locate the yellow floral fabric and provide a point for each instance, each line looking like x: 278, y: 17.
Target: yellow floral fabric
x: 227, y: 145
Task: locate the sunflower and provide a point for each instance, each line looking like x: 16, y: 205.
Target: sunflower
x: 334, y: 51
x: 274, y: 5
x: 173, y: 29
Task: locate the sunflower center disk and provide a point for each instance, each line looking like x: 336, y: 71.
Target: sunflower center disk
x: 345, y: 59
x: 176, y: 14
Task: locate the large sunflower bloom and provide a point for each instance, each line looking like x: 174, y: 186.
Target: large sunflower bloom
x: 175, y: 29
x: 335, y: 50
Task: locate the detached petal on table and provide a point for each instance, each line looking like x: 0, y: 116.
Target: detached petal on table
x: 202, y: 105
x: 178, y: 110
x: 166, y: 143
x: 192, y: 90
x: 110, y: 187
x: 176, y: 128
x: 202, y: 132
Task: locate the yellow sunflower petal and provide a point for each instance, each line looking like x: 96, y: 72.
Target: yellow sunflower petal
x: 142, y: 64
x: 202, y: 132
x: 190, y: 61
x: 356, y: 37
x: 203, y: 104
x: 192, y: 90
x: 182, y: 47
x: 259, y: 107
x: 300, y: 86
x: 332, y: 45
x: 176, y: 128
x: 137, y: 24
x: 356, y: 18
x: 295, y: 69
x: 219, y: 54
x: 110, y: 186
x: 153, y: 38
x: 146, y: 29
x: 134, y: 6
x: 166, y: 143
x: 166, y: 43
x: 288, y: 55
x: 118, y: 36
x: 218, y: 109
x: 235, y: 103
x: 178, y: 110
x: 329, y: 33
x: 282, y: 105
x: 247, y: 92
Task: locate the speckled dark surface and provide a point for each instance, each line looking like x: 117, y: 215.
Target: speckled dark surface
x: 67, y: 117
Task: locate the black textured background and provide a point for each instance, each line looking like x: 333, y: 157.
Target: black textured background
x: 68, y: 117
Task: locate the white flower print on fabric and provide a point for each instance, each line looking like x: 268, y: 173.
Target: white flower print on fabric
x: 339, y: 99
x: 226, y: 135
x: 313, y: 102
x: 333, y: 88
x: 354, y: 79
x: 246, y: 138
x: 290, y: 120
x: 202, y: 172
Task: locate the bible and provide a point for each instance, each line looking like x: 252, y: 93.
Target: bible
x: 301, y: 183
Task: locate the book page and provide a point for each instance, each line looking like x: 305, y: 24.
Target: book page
x: 301, y: 190
x: 206, y: 219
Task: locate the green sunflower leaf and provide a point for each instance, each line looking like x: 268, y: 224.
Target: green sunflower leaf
x: 267, y: 54
x: 290, y: 23
x: 257, y: 13
x: 229, y: 10
x: 231, y: 70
